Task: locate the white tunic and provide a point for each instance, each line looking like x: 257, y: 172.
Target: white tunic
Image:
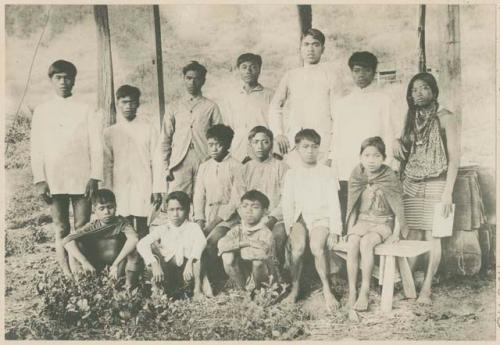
x: 133, y: 149
x: 66, y: 145
x: 362, y: 114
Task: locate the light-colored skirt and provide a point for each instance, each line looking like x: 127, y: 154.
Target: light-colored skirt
x: 419, y: 198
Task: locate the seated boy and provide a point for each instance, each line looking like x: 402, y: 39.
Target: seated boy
x: 248, y: 247
x: 217, y: 192
x: 311, y: 212
x: 177, y: 257
x: 266, y: 173
x: 108, y: 240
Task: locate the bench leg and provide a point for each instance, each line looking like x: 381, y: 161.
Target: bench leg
x: 381, y: 268
x: 388, y: 285
x: 406, y: 278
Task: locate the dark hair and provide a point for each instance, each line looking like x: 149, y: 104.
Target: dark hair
x: 249, y: 57
x: 316, y: 34
x: 260, y: 129
x: 406, y: 137
x: 365, y: 59
x: 197, y: 67
x: 128, y: 91
x: 103, y: 196
x: 255, y: 195
x: 224, y: 134
x: 62, y: 66
x: 309, y: 134
x: 376, y: 142
x: 182, y: 198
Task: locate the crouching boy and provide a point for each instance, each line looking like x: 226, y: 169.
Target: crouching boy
x: 177, y: 257
x: 108, y: 240
x: 248, y: 247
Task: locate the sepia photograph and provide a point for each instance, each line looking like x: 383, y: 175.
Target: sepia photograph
x: 272, y: 172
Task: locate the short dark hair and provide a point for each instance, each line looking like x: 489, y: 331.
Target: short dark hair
x: 62, y: 66
x: 255, y: 195
x: 260, y: 129
x: 365, y: 59
x: 249, y: 57
x: 182, y: 198
x: 316, y: 34
x: 309, y: 134
x: 224, y: 134
x: 195, y: 66
x: 376, y: 142
x: 128, y: 91
x: 103, y: 196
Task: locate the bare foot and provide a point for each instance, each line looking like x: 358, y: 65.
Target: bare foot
x: 331, y: 302
x: 206, y: 287
x: 362, y: 302
x: 197, y: 296
x: 351, y: 299
x: 424, y: 298
x: 353, y: 316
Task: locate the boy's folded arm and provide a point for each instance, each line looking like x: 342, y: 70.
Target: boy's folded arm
x: 72, y: 249
x: 200, y: 242
x: 230, y: 242
x: 144, y: 246
x: 128, y: 247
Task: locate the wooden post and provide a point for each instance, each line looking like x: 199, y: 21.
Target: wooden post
x: 105, y: 88
x: 422, y: 67
x: 305, y: 22
x: 449, y: 59
x: 158, y: 61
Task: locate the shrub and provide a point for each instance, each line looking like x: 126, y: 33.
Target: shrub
x: 17, y: 150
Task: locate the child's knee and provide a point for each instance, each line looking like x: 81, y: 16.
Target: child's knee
x: 227, y: 259
x: 258, y: 265
x: 298, y: 247
x: 317, y: 247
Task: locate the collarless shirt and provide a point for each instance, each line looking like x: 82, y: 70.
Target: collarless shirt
x: 361, y: 114
x: 185, y: 126
x: 66, y: 145
x: 243, y: 110
x: 307, y: 92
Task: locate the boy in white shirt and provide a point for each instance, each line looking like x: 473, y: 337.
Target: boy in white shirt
x: 66, y: 155
x: 177, y: 257
x: 136, y: 175
x: 311, y: 212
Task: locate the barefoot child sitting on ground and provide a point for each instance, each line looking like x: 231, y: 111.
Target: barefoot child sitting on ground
x: 177, y: 257
x: 311, y: 212
x: 248, y: 247
x: 374, y: 201
x: 107, y: 240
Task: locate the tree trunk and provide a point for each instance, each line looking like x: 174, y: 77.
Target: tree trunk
x: 157, y: 60
x: 305, y: 23
x: 422, y: 67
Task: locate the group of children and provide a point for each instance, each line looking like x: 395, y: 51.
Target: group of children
x: 250, y: 214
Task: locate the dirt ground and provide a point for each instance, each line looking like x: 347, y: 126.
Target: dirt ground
x: 462, y: 308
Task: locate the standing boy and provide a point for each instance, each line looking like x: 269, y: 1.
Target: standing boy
x: 364, y: 105
x: 248, y: 247
x: 307, y: 92
x: 66, y: 155
x: 265, y: 173
x: 132, y: 148
x: 108, y: 240
x: 311, y: 212
x: 184, y: 146
x: 247, y: 106
x: 218, y: 189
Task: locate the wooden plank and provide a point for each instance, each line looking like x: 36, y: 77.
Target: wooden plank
x: 388, y: 284
x: 422, y: 67
x: 404, y: 248
x: 381, y: 270
x: 406, y: 277
x: 157, y: 60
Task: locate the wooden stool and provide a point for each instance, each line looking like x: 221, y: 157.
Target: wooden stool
x: 389, y: 255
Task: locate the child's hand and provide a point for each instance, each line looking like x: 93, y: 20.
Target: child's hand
x: 43, y: 191
x: 156, y: 199
x: 157, y: 272
x: 113, y: 272
x: 332, y: 240
x: 170, y: 176
x: 392, y: 239
x: 188, y: 271
x: 282, y: 143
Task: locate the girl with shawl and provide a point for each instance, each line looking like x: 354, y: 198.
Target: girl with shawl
x: 373, y: 205
x: 429, y: 152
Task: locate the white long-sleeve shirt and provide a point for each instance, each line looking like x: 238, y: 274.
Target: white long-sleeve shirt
x: 133, y: 149
x: 66, y: 145
x: 313, y: 193
x: 362, y: 114
x: 185, y: 241
x: 307, y: 92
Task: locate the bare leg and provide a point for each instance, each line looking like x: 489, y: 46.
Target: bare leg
x: 60, y: 216
x: 367, y: 243
x: 233, y: 269
x: 260, y: 273
x: 82, y: 210
x: 352, y: 267
x: 213, y: 263
x: 318, y: 238
x: 298, y: 238
x: 434, y: 259
x: 279, y: 236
